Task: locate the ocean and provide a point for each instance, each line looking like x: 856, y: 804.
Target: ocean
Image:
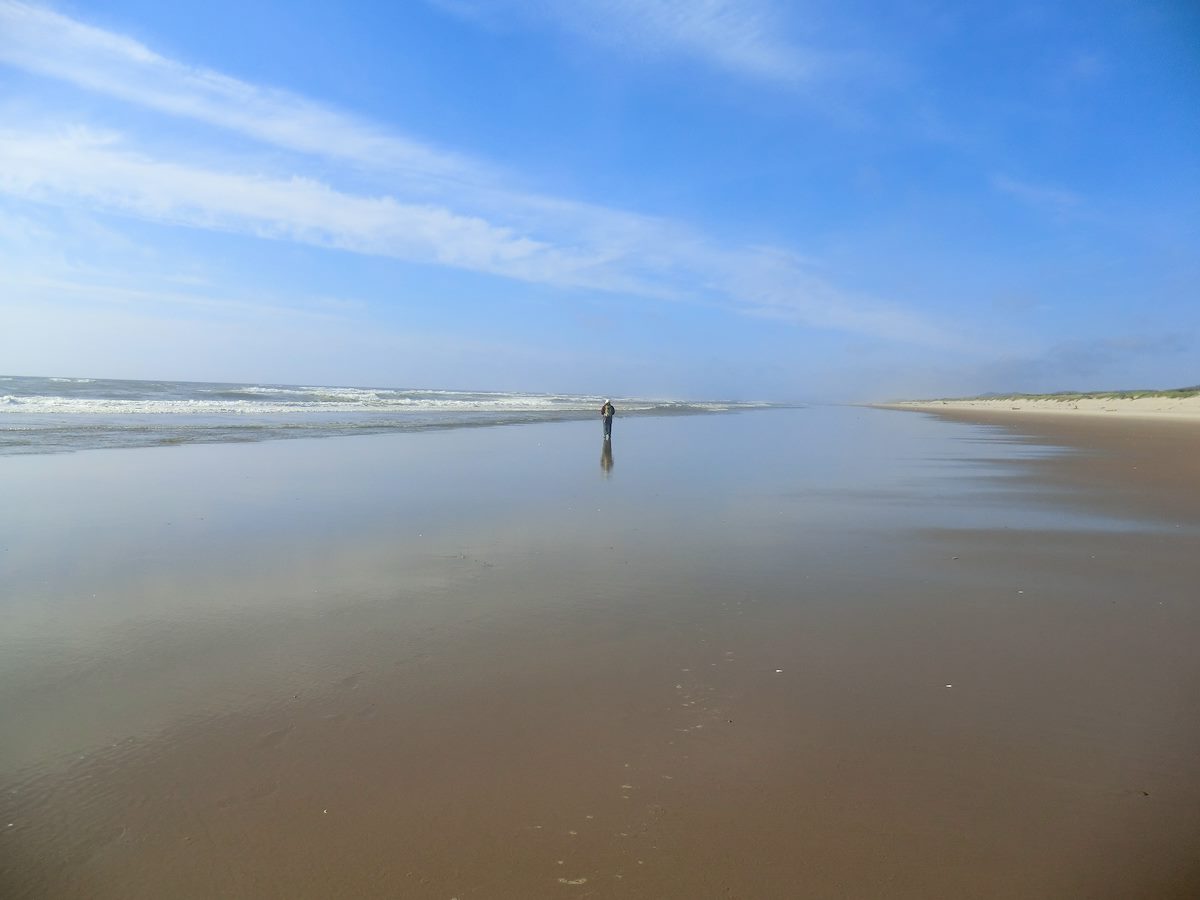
x: 55, y: 415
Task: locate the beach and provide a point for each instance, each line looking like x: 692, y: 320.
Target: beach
x: 821, y: 652
x: 1152, y: 406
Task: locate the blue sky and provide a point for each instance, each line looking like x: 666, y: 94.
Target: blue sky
x: 714, y: 198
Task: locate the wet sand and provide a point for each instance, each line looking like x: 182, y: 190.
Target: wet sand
x: 1122, y: 461
x: 824, y: 653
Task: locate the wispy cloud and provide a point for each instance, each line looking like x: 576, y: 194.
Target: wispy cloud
x: 92, y: 292
x: 97, y: 171
x: 743, y: 37
x: 653, y: 259
x: 775, y: 284
x: 44, y: 42
x: 1046, y: 197
x: 440, y: 207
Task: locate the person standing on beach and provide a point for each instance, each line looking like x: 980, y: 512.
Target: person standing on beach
x: 608, y: 411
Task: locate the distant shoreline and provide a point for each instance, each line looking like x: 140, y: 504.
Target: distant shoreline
x: 1180, y: 404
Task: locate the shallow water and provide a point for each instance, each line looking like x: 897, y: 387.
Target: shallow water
x: 108, y: 555
x: 205, y: 651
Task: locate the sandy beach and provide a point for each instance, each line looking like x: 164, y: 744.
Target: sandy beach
x: 1122, y: 407
x: 828, y: 652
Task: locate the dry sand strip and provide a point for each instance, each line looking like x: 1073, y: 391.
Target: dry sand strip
x: 1132, y: 407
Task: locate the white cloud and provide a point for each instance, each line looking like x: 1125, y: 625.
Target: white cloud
x: 94, y: 169
x: 47, y: 43
x: 735, y: 35
x: 612, y: 252
x: 23, y: 232
x: 1053, y: 199
x: 739, y: 36
x: 441, y: 208
x: 778, y: 285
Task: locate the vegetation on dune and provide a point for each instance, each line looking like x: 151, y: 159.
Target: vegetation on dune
x: 1064, y: 396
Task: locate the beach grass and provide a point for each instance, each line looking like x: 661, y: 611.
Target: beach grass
x: 1068, y: 396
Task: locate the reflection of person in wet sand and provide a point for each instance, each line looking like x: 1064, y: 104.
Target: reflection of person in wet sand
x: 606, y: 456
x: 608, y: 411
